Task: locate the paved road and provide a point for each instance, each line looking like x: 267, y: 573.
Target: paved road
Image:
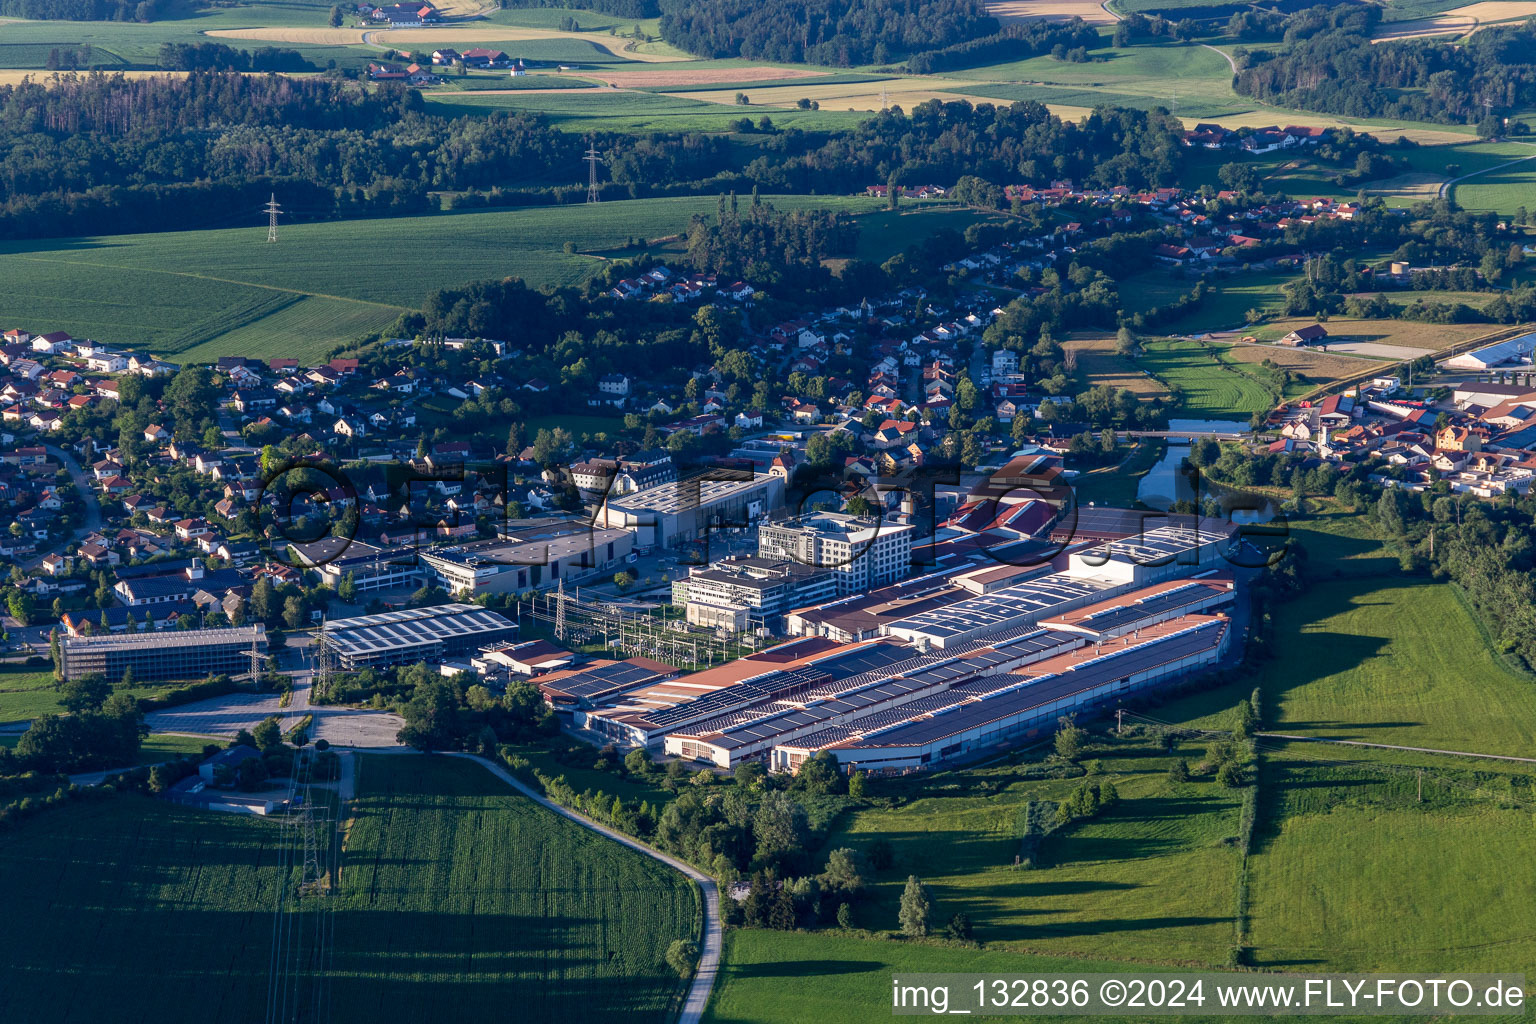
x: 1394, y: 746
x: 1445, y: 187
x: 92, y: 521
x: 227, y: 715
x: 709, y: 955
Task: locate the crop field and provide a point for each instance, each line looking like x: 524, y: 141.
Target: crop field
x: 206, y: 293
x: 1207, y: 385
x: 484, y: 901
x: 632, y: 110
x: 1504, y: 189
x: 1028, y: 10
x: 1399, y: 663
x: 1387, y: 339
x: 458, y: 898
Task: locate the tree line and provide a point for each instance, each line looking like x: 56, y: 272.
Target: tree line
x: 822, y: 31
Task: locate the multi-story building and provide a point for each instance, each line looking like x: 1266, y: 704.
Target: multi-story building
x: 686, y: 510
x: 862, y: 551
x: 177, y: 654
x: 749, y: 593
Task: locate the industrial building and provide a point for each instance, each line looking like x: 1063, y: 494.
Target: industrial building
x: 371, y: 568
x: 686, y: 510
x: 176, y: 654
x: 993, y: 711
x: 1511, y: 352
x: 933, y: 671
x: 863, y: 551
x: 532, y: 555
x: 413, y: 634
x: 745, y: 593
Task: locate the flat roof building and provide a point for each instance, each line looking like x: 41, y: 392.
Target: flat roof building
x: 172, y: 654
x: 748, y: 593
x: 528, y: 559
x: 685, y: 510
x: 863, y: 551
x: 413, y: 634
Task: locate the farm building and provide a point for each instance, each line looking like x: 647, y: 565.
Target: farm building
x: 1308, y: 335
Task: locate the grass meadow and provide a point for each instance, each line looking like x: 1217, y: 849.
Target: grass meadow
x: 1395, y: 661
x: 194, y: 295
x: 1152, y: 873
x: 1206, y: 383
x: 26, y: 693
x: 458, y: 899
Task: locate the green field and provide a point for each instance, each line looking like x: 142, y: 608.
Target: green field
x: 200, y: 294
x: 1207, y: 385
x: 26, y: 693
x: 1152, y: 872
x: 1504, y: 191
x: 1358, y: 874
x: 634, y: 111
x: 458, y: 900
x: 1396, y: 663
x: 778, y: 978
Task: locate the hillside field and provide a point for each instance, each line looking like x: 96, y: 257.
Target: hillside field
x: 195, y: 295
x: 1400, y: 663
x: 458, y: 899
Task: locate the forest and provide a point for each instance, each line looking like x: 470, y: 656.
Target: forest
x: 1339, y: 71
x: 836, y: 32
x: 1015, y: 42
x: 82, y: 10
x: 103, y: 154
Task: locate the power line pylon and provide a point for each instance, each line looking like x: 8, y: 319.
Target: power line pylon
x: 273, y: 209
x: 592, y: 160
x: 560, y: 611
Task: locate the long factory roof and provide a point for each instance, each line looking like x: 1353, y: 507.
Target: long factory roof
x: 1157, y: 599
x: 1058, y: 678
x: 766, y: 714
x: 997, y: 609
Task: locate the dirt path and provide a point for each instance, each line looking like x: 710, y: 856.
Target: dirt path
x: 1394, y: 746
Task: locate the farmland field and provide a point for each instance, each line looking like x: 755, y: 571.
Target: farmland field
x: 199, y: 294
x: 1208, y: 385
x: 1097, y: 364
x: 787, y: 977
x: 458, y: 899
x: 1397, y: 663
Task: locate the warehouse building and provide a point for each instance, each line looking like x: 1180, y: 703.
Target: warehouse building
x: 1511, y: 352
x: 863, y: 551
x: 413, y: 634
x: 154, y: 657
x: 687, y: 510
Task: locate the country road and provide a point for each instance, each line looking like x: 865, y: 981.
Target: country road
x: 82, y: 482
x: 709, y: 952
x: 1446, y: 186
